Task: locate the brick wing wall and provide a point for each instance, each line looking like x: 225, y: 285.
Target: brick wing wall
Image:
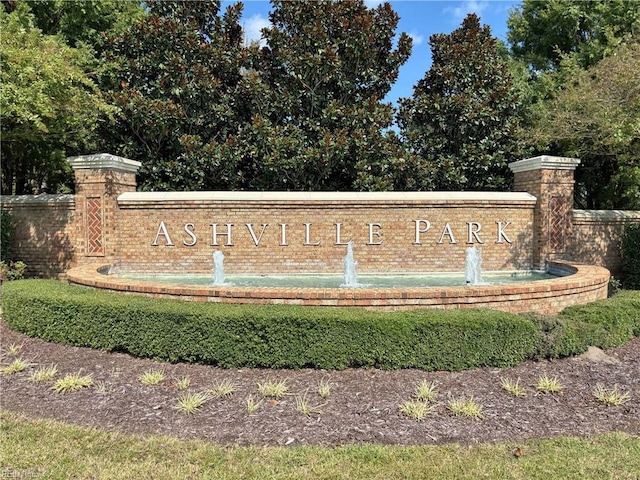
x: 45, y: 235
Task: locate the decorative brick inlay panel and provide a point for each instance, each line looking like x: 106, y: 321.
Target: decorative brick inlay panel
x: 95, y: 241
x: 558, y: 212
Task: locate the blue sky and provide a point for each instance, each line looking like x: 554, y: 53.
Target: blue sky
x: 418, y: 18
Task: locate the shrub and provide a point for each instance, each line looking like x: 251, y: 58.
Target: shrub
x: 9, y: 269
x: 280, y: 336
x: 12, y: 271
x: 604, y: 324
x: 631, y: 256
x: 274, y: 336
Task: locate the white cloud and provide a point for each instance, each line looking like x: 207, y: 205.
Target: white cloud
x: 252, y: 29
x: 417, y: 38
x: 466, y: 7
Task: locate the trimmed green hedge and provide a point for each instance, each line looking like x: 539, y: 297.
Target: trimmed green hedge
x: 631, y: 256
x: 604, y: 324
x: 266, y: 336
x: 278, y: 336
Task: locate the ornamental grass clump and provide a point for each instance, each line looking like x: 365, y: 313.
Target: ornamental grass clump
x: 14, y: 349
x: 183, y: 383
x: 72, y: 383
x: 44, y: 374
x: 223, y: 388
x: 16, y: 366
x: 304, y: 407
x: 548, y: 385
x: 273, y: 389
x: 417, y: 410
x: 512, y: 387
x: 152, y: 377
x: 426, y: 391
x: 190, y: 402
x: 611, y: 396
x: 324, y: 389
x: 252, y: 405
x: 466, y: 407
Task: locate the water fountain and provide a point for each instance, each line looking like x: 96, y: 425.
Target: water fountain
x: 218, y: 269
x: 349, y: 263
x: 473, y: 266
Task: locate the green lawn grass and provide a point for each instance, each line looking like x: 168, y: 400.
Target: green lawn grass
x: 48, y: 449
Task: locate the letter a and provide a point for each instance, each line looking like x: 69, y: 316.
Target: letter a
x: 162, y: 230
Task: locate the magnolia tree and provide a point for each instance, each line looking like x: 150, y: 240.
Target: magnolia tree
x: 176, y: 77
x: 203, y: 111
x: 462, y: 118
x: 322, y: 124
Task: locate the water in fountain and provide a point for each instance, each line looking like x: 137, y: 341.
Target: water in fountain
x: 218, y: 269
x: 473, y: 266
x: 350, y: 275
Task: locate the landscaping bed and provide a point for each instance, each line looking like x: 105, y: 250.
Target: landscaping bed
x: 363, y: 405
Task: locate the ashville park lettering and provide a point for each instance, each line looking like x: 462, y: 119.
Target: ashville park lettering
x: 422, y: 232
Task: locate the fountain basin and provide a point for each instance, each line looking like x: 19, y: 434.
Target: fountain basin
x: 399, y: 280
x: 573, y: 284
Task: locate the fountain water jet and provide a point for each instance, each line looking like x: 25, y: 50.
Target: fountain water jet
x: 218, y: 269
x: 350, y: 275
x: 473, y: 266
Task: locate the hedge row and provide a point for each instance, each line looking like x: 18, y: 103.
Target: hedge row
x: 266, y: 336
x: 281, y: 336
x: 631, y: 256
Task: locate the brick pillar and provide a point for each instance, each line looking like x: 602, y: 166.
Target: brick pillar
x: 550, y: 180
x: 99, y: 179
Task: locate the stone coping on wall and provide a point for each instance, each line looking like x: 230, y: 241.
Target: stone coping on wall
x: 39, y: 201
x: 140, y: 199
x: 544, y: 162
x: 583, y: 284
x: 103, y: 161
x: 609, y: 216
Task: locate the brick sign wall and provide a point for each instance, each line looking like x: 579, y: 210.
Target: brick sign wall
x: 291, y: 232
x: 106, y: 221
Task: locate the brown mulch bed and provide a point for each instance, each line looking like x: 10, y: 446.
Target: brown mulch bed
x: 363, y: 406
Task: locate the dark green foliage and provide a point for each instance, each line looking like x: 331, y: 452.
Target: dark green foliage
x: 463, y: 116
x: 604, y: 324
x: 631, y: 256
x: 266, y: 336
x: 543, y: 31
x: 202, y: 111
x: 83, y: 22
x: 176, y: 76
x: 6, y: 235
x: 322, y: 124
x: 50, y: 104
x: 584, y: 65
x: 296, y: 337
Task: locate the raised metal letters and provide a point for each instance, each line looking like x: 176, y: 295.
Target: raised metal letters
x: 420, y: 229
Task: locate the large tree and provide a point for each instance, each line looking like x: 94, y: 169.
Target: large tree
x: 49, y: 105
x: 82, y: 22
x: 596, y: 117
x: 177, y: 76
x: 327, y: 67
x: 462, y: 117
x: 543, y: 31
x: 203, y: 111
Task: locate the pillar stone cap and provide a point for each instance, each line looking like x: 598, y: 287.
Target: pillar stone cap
x: 101, y: 161
x: 544, y: 162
